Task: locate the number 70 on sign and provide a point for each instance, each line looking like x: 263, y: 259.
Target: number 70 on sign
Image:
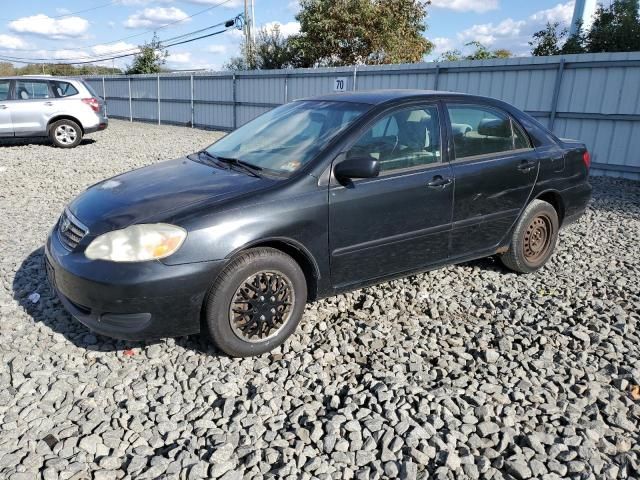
x: 340, y: 84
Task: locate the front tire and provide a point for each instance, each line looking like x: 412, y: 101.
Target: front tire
x: 65, y: 134
x: 534, y: 239
x: 256, y: 302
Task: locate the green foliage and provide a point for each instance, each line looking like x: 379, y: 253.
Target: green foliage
x: 56, y: 69
x: 547, y: 42
x: 271, y: 50
x: 481, y: 52
x: 349, y: 32
x: 150, y: 59
x: 615, y: 28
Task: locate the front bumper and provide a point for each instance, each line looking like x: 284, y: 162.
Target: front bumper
x: 130, y: 301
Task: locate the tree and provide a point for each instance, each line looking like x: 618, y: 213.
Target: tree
x: 615, y: 28
x: 547, y: 42
x: 271, y: 50
x: 151, y: 58
x: 349, y: 32
x: 481, y: 52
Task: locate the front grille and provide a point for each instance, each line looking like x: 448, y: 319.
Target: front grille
x: 70, y: 230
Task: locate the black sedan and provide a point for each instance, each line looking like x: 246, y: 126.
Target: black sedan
x: 313, y: 198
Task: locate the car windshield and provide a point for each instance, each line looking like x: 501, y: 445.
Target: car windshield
x: 288, y: 137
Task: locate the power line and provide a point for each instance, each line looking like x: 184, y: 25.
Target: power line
x: 129, y: 36
x: 103, y: 59
x: 117, y: 52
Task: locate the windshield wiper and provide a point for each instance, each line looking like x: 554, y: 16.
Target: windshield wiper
x: 247, y: 167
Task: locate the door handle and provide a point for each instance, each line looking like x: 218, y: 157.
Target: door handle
x: 3, y: 107
x: 48, y: 104
x: 526, y: 166
x: 439, y: 182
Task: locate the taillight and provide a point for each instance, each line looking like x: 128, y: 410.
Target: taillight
x: 586, y: 158
x: 93, y: 103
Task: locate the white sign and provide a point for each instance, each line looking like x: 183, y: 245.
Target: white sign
x: 340, y: 84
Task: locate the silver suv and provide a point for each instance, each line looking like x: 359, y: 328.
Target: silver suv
x: 62, y: 109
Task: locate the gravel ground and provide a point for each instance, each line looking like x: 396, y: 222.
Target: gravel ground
x: 465, y: 372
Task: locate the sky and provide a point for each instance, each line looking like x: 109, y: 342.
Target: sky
x: 65, y: 29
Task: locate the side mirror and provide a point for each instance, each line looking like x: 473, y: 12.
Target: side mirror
x: 357, y: 168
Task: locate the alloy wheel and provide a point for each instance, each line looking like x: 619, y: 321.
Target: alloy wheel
x: 66, y: 134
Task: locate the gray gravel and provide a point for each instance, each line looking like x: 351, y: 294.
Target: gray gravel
x: 465, y: 372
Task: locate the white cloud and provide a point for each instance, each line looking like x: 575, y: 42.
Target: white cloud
x: 112, y: 48
x: 217, y: 49
x: 179, y: 57
x: 9, y: 42
x: 67, y: 54
x: 287, y: 29
x: 230, y: 4
x: 56, y: 28
x: 152, y: 17
x: 513, y: 34
x: 478, y: 6
x: 137, y: 3
x: 293, y: 6
x: 442, y: 44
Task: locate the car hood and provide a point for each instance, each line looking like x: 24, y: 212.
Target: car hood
x: 156, y: 191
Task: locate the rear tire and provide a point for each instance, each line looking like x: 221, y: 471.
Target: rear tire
x: 534, y: 238
x: 65, y: 134
x: 256, y: 302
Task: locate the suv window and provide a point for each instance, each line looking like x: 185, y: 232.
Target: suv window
x: 63, y: 89
x: 481, y: 130
x: 4, y: 89
x: 403, y: 139
x: 32, y: 89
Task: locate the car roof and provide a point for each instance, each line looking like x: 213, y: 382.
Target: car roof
x: 376, y: 97
x: 38, y: 77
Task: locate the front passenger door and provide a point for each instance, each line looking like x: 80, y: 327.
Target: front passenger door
x: 400, y: 220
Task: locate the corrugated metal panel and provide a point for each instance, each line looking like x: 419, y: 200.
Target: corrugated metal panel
x: 590, y: 89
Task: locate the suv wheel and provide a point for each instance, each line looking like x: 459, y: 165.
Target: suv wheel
x: 65, y: 134
x: 256, y: 302
x: 534, y: 238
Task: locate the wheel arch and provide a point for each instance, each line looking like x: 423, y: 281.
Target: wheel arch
x: 555, y: 199
x: 295, y: 250
x: 63, y: 117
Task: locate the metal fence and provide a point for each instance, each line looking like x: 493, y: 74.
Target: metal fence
x: 592, y: 97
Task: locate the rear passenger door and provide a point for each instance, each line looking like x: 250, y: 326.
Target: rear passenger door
x: 495, y: 168
x: 6, y: 128
x: 34, y: 105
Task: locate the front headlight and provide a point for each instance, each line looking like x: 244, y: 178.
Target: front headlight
x: 137, y: 243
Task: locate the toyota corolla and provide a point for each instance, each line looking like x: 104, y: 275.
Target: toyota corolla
x: 313, y: 198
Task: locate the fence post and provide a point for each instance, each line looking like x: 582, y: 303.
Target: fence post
x: 104, y: 97
x: 286, y: 88
x: 437, y: 79
x: 556, y: 94
x: 193, y: 118
x: 158, y: 99
x: 235, y: 112
x: 355, y: 73
x: 130, y: 105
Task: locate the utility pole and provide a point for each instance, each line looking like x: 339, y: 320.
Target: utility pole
x: 582, y: 15
x: 248, y: 29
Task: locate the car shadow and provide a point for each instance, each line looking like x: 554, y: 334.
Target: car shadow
x: 45, y: 308
x: 19, y: 142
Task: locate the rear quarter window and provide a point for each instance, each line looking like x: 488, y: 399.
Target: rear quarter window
x: 63, y: 89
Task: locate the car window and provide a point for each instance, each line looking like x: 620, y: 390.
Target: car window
x: 63, y: 89
x: 520, y: 139
x: 480, y: 131
x: 4, y: 89
x: 31, y: 89
x: 403, y: 139
x: 284, y: 139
